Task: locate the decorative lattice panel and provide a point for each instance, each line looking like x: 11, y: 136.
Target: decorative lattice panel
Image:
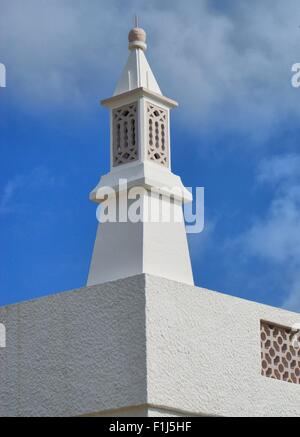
x: 158, y: 147
x: 125, y: 148
x: 280, y: 353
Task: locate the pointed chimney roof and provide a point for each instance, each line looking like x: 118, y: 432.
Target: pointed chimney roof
x: 137, y: 72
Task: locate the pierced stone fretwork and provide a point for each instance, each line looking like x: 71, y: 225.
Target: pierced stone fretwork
x: 280, y: 353
x: 125, y: 147
x: 158, y: 144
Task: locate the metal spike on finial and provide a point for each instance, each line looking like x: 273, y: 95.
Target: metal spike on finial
x: 136, y: 20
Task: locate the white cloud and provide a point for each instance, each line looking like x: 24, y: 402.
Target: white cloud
x: 228, y: 64
x: 275, y: 237
x: 284, y: 168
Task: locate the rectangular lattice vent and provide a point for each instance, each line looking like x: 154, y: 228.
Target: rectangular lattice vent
x: 125, y: 147
x: 280, y: 353
x: 158, y: 145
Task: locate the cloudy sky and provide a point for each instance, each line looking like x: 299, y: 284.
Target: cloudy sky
x: 236, y: 133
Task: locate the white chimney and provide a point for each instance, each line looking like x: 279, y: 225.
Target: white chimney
x: 140, y: 153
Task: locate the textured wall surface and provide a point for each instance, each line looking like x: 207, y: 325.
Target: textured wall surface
x: 204, y: 353
x: 142, y: 345
x: 75, y: 352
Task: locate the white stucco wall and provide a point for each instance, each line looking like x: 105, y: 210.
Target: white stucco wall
x: 203, y: 353
x: 76, y: 352
x: 143, y: 345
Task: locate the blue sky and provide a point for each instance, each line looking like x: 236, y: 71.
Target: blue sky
x: 236, y: 133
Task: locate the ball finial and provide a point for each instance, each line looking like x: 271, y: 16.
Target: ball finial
x: 137, y: 37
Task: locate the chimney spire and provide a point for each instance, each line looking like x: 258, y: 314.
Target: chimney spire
x: 140, y: 156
